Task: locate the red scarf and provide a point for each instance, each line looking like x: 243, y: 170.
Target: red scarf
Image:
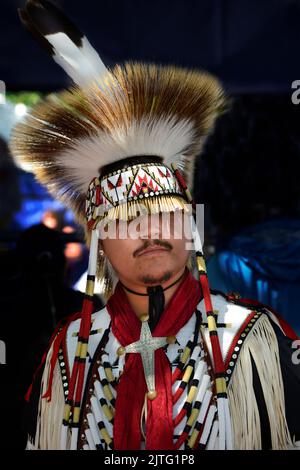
x: 132, y: 387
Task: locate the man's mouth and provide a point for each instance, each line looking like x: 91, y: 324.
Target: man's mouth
x: 153, y: 250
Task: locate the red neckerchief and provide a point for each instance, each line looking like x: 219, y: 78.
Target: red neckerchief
x: 132, y: 387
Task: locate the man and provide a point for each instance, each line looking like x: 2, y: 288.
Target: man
x: 166, y: 364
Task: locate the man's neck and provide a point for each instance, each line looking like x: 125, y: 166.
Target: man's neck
x: 140, y: 303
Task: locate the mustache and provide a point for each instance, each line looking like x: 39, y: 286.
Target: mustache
x: 148, y: 243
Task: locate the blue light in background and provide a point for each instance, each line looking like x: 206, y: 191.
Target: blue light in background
x: 35, y: 202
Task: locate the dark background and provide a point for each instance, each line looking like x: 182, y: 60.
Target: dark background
x: 252, y: 45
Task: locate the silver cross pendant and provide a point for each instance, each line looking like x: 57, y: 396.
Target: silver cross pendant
x: 146, y: 346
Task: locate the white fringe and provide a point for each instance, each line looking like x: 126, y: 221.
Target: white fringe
x: 30, y: 444
x: 262, y: 344
x: 50, y: 414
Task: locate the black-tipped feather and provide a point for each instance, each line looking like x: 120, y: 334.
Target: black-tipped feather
x: 26, y: 20
x: 49, y: 19
x: 63, y: 41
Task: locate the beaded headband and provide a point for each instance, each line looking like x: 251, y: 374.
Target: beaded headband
x: 126, y: 188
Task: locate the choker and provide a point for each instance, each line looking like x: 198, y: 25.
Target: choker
x: 156, y: 300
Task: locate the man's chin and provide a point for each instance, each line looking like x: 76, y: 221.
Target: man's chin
x: 155, y: 277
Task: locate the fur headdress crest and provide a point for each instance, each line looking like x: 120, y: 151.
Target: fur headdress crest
x: 110, y: 115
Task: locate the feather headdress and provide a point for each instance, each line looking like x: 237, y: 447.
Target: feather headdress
x: 136, y: 109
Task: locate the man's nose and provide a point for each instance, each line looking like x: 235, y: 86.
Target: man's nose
x: 153, y: 229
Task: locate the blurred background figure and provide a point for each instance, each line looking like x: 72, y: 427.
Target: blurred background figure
x: 35, y: 298
x: 44, y: 292
x: 249, y: 177
x: 40, y: 251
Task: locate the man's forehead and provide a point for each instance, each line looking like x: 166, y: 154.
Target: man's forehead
x: 162, y: 225
x: 161, y: 218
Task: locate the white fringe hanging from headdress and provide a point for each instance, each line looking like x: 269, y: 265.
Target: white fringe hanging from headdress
x: 262, y: 345
x: 151, y: 205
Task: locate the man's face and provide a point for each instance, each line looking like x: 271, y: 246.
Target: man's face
x: 152, y: 252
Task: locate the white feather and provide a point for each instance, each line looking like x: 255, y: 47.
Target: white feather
x: 163, y: 137
x: 82, y: 64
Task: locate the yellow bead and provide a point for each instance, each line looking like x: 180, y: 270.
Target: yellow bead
x: 152, y: 394
x: 121, y: 351
x: 144, y: 317
x: 171, y: 339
